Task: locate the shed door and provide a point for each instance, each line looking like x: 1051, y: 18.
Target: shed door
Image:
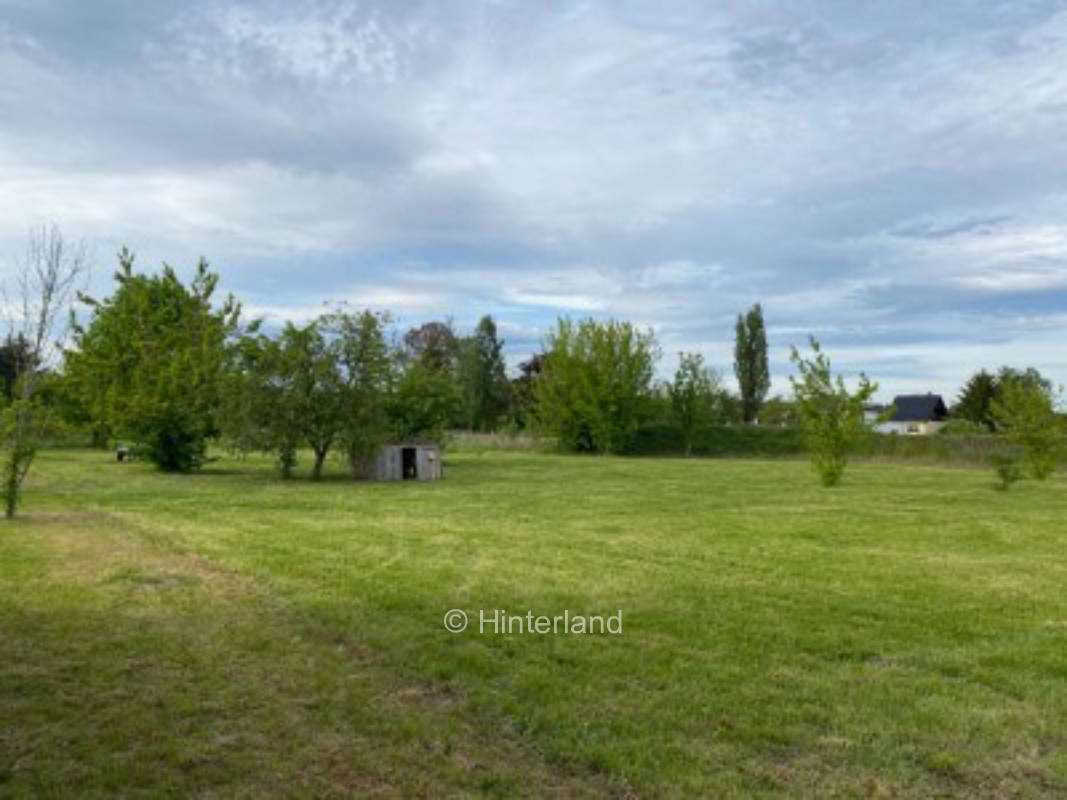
x: 409, y: 463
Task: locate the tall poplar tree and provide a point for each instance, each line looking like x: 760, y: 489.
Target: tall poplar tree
x: 750, y: 362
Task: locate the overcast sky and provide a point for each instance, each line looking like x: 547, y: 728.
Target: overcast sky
x: 887, y: 176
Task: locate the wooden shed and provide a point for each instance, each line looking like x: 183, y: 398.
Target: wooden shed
x: 407, y: 461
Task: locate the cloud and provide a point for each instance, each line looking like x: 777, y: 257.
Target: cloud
x: 888, y: 177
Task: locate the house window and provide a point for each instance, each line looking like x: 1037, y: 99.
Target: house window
x: 913, y: 427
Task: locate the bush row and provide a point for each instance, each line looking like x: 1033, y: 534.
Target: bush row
x: 667, y: 439
x: 741, y: 440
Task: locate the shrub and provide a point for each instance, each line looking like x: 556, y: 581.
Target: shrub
x: 595, y: 388
x: 1007, y: 469
x: 831, y: 414
x: 1024, y: 409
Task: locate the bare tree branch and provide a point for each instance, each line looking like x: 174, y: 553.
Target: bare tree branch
x: 46, y: 279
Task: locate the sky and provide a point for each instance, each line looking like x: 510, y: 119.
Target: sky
x: 888, y: 177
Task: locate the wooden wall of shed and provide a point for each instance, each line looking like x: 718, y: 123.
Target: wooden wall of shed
x: 389, y: 463
x: 428, y: 460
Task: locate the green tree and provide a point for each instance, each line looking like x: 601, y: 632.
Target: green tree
x: 150, y: 361
x: 323, y: 384
x: 779, y: 412
x: 831, y: 415
x: 976, y: 399
x: 261, y: 409
x: 595, y: 388
x: 16, y: 357
x: 368, y: 371
x: 423, y: 403
x: 434, y: 344
x: 522, y: 399
x: 693, y: 396
x: 1024, y: 410
x: 750, y: 362
x: 310, y: 391
x: 482, y: 377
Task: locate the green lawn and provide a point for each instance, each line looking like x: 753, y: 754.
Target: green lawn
x: 228, y: 634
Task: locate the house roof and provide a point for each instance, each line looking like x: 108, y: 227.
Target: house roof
x: 918, y: 408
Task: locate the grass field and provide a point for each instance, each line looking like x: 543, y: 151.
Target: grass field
x: 228, y: 634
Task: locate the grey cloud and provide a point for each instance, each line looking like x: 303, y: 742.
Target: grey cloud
x: 885, y: 174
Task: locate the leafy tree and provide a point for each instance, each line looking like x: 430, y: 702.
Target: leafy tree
x: 323, y: 384
x: 693, y: 396
x: 780, y: 412
x: 523, y: 401
x: 150, y: 362
x: 16, y: 358
x: 596, y: 386
x: 1023, y: 409
x: 312, y: 390
x: 482, y: 377
x: 730, y: 407
x: 46, y: 280
x: 831, y: 415
x: 976, y: 399
x: 368, y: 372
x: 434, y: 344
x: 750, y: 362
x: 1029, y: 377
x: 261, y: 408
x: 422, y: 403
x: 982, y: 389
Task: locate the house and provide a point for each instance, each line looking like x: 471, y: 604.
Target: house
x: 872, y: 411
x: 915, y: 414
x: 406, y: 461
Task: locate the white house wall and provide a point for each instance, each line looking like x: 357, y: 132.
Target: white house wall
x: 910, y: 428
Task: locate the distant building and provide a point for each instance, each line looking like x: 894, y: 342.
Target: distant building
x: 872, y: 411
x: 915, y: 414
x: 406, y: 461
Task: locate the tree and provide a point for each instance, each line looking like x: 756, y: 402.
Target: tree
x: 46, y: 283
x: 596, y: 386
x: 482, y: 376
x: 434, y: 344
x: 312, y: 394
x: 368, y: 368
x: 422, y: 403
x: 693, y: 396
x: 150, y: 362
x: 831, y: 415
x: 1023, y: 409
x: 523, y: 401
x: 976, y: 399
x: 15, y: 358
x: 324, y: 384
x: 779, y: 412
x: 261, y: 408
x: 750, y: 362
x: 982, y: 389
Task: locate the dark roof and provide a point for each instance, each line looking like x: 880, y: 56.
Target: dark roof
x: 918, y: 408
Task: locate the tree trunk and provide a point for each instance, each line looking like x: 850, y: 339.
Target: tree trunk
x: 11, y: 483
x: 316, y: 470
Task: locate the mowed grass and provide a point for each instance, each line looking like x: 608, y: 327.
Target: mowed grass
x: 230, y: 634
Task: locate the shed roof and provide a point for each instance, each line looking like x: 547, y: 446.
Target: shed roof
x: 918, y: 408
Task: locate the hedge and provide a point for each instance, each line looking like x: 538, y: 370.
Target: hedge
x: 741, y: 440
